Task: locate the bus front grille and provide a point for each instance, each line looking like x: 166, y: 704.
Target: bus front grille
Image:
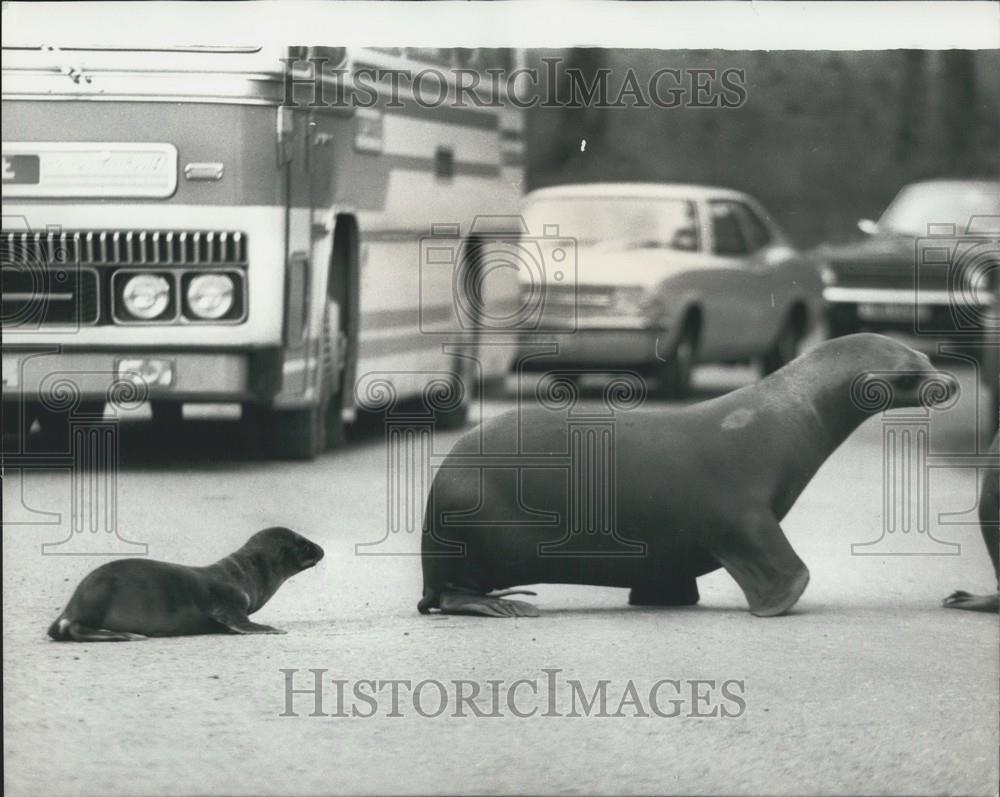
x: 64, y: 277
x: 124, y: 248
x: 61, y: 296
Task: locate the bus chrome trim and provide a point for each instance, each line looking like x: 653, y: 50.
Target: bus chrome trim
x: 93, y: 169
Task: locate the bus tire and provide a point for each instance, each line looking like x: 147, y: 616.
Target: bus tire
x: 454, y: 419
x: 303, y: 434
x: 989, y: 376
x: 167, y: 419
x: 333, y: 420
x: 336, y: 434
x: 296, y: 434
x: 54, y: 425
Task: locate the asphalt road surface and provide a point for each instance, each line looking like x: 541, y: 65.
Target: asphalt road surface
x: 867, y: 687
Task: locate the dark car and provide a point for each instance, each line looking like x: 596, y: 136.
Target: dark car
x: 929, y: 270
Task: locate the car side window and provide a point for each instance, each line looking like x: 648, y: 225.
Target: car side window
x: 727, y: 234
x: 757, y: 232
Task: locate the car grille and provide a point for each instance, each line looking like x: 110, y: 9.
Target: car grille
x: 580, y: 297
x: 895, y: 276
x: 62, y: 277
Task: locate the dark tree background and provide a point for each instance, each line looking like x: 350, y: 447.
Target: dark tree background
x: 823, y: 139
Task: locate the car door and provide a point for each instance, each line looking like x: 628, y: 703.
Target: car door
x: 725, y: 284
x: 771, y: 278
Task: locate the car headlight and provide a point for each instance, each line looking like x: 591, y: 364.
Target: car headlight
x: 146, y: 296
x: 628, y: 300
x: 210, y: 296
x: 828, y: 275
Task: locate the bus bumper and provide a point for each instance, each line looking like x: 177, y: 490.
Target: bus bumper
x: 133, y: 376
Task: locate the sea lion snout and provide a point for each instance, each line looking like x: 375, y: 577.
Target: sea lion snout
x: 938, y: 389
x: 921, y: 384
x: 298, y: 552
x: 310, y: 554
x: 893, y: 375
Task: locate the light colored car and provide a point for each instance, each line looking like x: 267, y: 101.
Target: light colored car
x: 667, y: 275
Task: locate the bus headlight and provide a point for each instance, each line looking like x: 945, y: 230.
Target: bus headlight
x: 146, y: 296
x: 210, y: 296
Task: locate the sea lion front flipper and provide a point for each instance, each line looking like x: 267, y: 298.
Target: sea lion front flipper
x: 960, y: 599
x: 454, y: 602
x: 241, y: 624
x: 761, y: 560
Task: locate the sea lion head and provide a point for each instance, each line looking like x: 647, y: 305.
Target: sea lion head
x: 293, y: 552
x: 887, y: 374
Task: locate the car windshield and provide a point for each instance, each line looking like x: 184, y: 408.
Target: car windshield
x: 619, y: 221
x: 916, y: 206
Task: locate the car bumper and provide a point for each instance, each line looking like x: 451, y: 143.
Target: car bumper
x: 932, y: 313
x: 114, y: 374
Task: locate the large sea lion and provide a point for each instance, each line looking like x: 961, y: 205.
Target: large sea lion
x: 989, y: 525
x: 694, y: 488
x: 136, y: 598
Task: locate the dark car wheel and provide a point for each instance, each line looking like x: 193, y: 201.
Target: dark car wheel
x: 674, y: 375
x: 785, y: 348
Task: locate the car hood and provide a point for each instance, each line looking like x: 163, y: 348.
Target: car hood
x: 889, y: 249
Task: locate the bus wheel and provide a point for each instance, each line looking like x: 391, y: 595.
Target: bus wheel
x: 167, y: 419
x: 296, y: 434
x: 335, y: 430
x: 331, y: 356
x: 54, y: 425
x: 455, y: 418
x: 305, y: 433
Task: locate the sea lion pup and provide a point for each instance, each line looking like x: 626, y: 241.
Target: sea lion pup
x: 137, y: 598
x: 989, y: 525
x: 695, y: 488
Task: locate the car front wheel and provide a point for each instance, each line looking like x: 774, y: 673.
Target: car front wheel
x: 674, y: 375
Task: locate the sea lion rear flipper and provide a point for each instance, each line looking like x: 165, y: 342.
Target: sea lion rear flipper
x: 241, y: 624
x: 453, y: 602
x: 762, y: 561
x: 960, y: 599
x: 81, y: 633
